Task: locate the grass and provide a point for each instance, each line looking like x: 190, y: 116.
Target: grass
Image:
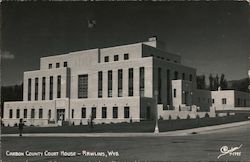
x: 144, y: 126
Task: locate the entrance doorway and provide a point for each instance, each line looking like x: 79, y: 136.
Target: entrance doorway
x: 60, y: 114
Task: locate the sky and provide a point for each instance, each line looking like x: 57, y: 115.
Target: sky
x: 212, y: 37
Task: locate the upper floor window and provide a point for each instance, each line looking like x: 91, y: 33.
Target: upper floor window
x: 65, y: 64
x: 57, y: 65
x: 183, y: 76
x: 106, y: 59
x: 174, y: 92
x: 50, y: 66
x: 83, y: 86
x: 190, y: 77
x: 126, y: 56
x: 176, y: 75
x: 116, y: 57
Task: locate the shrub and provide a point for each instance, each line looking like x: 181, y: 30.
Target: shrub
x: 188, y: 116
x: 80, y: 122
x: 130, y: 120
x: 169, y: 117
x: 178, y: 117
x: 161, y: 118
x: 73, y: 123
x: 206, y: 115
x: 197, y: 116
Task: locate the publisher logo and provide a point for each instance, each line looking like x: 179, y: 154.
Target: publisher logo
x: 231, y: 152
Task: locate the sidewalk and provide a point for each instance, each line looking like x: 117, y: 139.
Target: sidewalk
x: 201, y: 130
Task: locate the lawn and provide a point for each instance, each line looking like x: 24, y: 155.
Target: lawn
x: 144, y: 126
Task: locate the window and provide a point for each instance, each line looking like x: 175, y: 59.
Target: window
x: 110, y: 83
x: 224, y: 101
x: 126, y: 112
x: 49, y: 114
x: 93, y: 112
x: 84, y: 112
x: 212, y: 100
x: 40, y: 113
x: 100, y: 84
x: 106, y: 59
x: 115, y: 112
x: 50, y: 66
x: 32, y: 113
x: 25, y: 113
x: 51, y: 87
x: 120, y: 82
x: 190, y: 78
x: 168, y: 88
x: 126, y: 56
x: 65, y: 64
x: 83, y: 86
x: 174, y: 92
x: 176, y: 75
x: 116, y: 57
x: 238, y: 101
x: 36, y: 88
x: 104, y: 112
x: 72, y: 113
x: 29, y: 89
x: 130, y: 81
x: 11, y: 113
x: 159, y: 85
x: 183, y: 76
x: 142, y: 81
x: 18, y: 113
x: 57, y: 65
x: 59, y: 86
x: 43, y: 88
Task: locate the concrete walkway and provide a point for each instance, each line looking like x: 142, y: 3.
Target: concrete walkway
x: 201, y: 130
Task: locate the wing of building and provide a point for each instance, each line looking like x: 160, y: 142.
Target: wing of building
x: 115, y: 84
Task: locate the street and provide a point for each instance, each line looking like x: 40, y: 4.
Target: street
x: 196, y: 147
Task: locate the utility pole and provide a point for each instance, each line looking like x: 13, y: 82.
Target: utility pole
x: 156, y: 112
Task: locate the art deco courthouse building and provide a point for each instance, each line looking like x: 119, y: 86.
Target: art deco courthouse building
x: 113, y: 84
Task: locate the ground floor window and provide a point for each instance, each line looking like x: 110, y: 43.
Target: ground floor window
x: 49, y: 114
x: 84, y: 112
x: 224, y: 101
x: 10, y: 113
x: 93, y: 112
x: 40, y: 113
x: 25, y: 113
x: 115, y: 112
x: 32, y: 113
x: 18, y: 113
x: 126, y: 112
x: 72, y: 113
x: 104, y: 112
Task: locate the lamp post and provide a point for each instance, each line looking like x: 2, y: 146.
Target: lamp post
x: 156, y: 113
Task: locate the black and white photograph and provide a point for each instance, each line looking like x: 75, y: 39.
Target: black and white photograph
x: 139, y: 81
